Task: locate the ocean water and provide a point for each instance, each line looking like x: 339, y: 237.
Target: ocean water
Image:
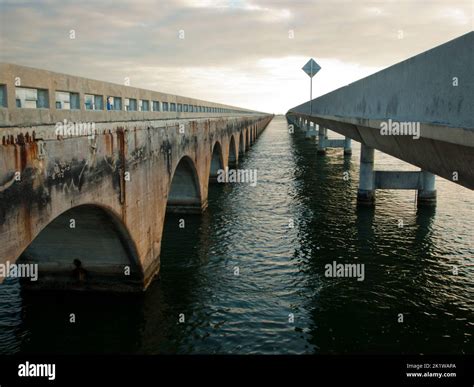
x: 248, y: 275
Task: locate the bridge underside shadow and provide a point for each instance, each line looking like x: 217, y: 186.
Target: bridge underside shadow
x: 217, y: 163
x: 184, y: 195
x: 83, y: 246
x: 232, y: 162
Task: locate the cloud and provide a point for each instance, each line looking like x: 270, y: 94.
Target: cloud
x: 233, y: 51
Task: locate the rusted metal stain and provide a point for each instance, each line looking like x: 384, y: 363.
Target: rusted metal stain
x: 109, y: 143
x: 165, y: 149
x: 121, y: 143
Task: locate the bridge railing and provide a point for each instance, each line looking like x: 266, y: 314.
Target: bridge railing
x: 31, y: 96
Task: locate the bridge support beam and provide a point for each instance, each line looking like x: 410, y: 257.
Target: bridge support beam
x: 371, y: 180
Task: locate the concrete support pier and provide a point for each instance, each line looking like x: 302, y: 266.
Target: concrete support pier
x: 427, y: 192
x: 324, y: 142
x: 371, y: 180
x: 366, y: 191
x: 321, y: 141
x: 347, y: 146
x: 311, y: 131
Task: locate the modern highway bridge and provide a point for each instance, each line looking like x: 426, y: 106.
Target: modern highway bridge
x: 432, y: 92
x: 88, y: 170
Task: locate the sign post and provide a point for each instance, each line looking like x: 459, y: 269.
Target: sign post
x: 311, y: 68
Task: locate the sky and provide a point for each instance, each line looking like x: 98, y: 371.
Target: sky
x: 247, y: 53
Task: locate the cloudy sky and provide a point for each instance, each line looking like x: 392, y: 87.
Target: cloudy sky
x: 246, y: 53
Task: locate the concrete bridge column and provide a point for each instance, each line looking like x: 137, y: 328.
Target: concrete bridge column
x: 347, y: 146
x: 427, y: 192
x: 311, y: 130
x: 366, y: 191
x: 321, y: 141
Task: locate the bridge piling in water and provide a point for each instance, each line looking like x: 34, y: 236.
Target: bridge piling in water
x: 321, y: 137
x: 311, y: 131
x: 366, y: 191
x: 427, y: 191
x: 370, y: 180
x: 347, y: 146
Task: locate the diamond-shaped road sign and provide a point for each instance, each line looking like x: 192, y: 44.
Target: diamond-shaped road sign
x: 311, y: 68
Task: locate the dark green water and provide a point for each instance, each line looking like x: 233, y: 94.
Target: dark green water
x: 408, y: 270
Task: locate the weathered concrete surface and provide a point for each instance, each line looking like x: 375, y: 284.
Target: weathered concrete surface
x: 126, y: 171
x: 102, y: 199
x: 11, y: 74
x: 420, y: 89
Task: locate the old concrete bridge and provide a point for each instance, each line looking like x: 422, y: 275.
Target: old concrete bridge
x: 88, y: 170
x: 431, y: 92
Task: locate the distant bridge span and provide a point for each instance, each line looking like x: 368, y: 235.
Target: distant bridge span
x: 90, y: 209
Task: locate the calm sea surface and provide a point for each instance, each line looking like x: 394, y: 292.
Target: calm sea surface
x: 408, y: 270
